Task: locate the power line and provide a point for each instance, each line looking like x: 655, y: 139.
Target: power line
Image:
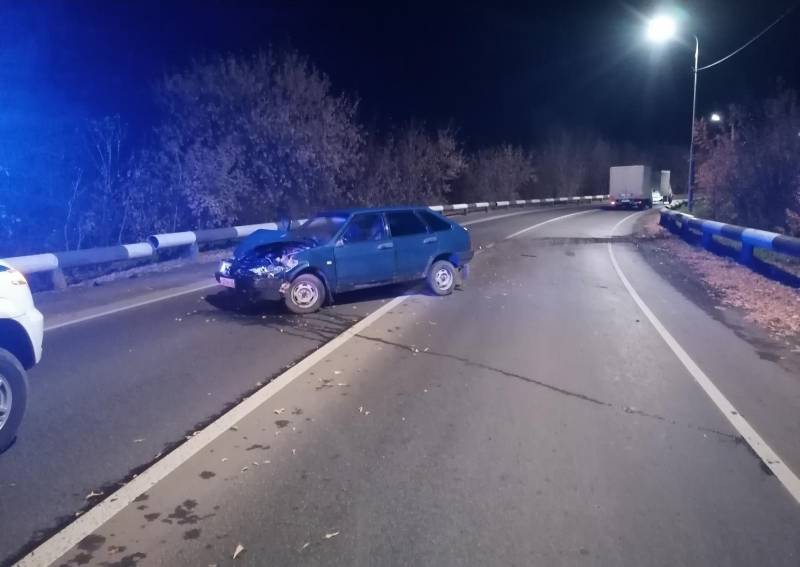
x: 754, y: 38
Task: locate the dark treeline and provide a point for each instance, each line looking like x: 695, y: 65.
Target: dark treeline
x: 237, y: 138
x: 748, y: 169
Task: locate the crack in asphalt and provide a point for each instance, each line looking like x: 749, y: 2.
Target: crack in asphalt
x: 631, y: 410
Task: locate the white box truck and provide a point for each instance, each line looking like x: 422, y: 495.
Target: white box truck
x: 630, y: 186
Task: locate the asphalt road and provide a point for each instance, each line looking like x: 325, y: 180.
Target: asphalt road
x: 534, y: 418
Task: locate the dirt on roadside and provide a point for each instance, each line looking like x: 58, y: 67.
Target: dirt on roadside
x: 720, y: 284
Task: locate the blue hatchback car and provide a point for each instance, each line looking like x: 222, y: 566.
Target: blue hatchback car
x: 345, y: 250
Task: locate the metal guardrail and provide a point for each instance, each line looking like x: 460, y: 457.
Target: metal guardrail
x: 749, y: 238
x: 56, y: 261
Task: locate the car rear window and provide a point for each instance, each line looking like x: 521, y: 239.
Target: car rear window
x: 435, y: 223
x: 405, y: 223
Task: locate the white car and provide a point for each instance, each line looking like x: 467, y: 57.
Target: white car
x: 21, y: 330
x: 657, y: 197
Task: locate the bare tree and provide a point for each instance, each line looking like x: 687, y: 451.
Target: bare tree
x: 750, y: 175
x: 499, y: 173
x: 411, y: 166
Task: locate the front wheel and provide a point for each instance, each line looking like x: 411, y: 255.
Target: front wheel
x: 305, y: 295
x: 442, y: 277
x: 13, y: 397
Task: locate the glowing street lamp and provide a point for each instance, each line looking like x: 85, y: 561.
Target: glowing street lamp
x: 661, y: 29
x: 715, y: 117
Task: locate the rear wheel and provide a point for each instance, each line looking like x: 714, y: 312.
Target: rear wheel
x: 305, y: 295
x: 13, y: 397
x: 442, y: 277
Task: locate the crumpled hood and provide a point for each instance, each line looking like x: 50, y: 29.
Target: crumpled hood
x: 269, y: 259
x: 258, y: 238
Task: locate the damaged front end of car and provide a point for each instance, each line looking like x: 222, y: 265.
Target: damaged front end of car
x: 264, y: 272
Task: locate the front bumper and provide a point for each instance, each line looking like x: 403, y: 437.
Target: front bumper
x: 33, y: 323
x: 263, y: 287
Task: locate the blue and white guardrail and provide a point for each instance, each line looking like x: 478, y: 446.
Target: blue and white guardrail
x: 750, y: 238
x: 56, y: 261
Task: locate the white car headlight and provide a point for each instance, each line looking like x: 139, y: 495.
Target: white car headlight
x: 225, y: 267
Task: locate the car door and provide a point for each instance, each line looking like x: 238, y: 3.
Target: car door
x: 364, y: 254
x: 413, y: 246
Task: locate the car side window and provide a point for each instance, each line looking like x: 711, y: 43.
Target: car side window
x: 435, y: 223
x: 405, y: 223
x: 364, y: 228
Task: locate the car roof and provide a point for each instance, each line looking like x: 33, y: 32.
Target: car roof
x: 348, y: 212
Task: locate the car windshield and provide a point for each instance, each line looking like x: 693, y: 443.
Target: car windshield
x: 320, y: 228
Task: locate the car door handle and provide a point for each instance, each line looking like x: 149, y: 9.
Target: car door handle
x: 385, y: 245
x: 430, y: 240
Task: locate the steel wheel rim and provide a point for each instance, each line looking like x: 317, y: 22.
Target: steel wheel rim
x: 6, y: 399
x: 443, y: 278
x: 304, y: 294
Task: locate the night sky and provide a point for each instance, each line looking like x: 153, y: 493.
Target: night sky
x: 499, y: 71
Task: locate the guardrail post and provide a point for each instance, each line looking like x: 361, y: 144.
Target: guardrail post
x: 193, y: 252
x: 708, y: 239
x: 746, y: 254
x: 58, y: 280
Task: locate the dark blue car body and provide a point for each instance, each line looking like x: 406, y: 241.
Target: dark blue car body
x: 348, y: 249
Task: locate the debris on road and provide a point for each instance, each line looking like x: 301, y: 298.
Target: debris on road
x: 138, y: 440
x: 238, y: 551
x: 93, y: 494
x: 337, y: 372
x: 279, y: 411
x: 330, y: 535
x: 305, y: 545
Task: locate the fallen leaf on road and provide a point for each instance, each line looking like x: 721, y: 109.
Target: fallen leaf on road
x: 138, y: 440
x: 223, y: 459
x: 280, y: 411
x: 305, y: 545
x: 366, y: 412
x: 244, y: 469
x: 337, y: 372
x: 238, y: 551
x: 234, y: 428
x: 330, y: 535
x: 360, y: 409
x: 93, y: 494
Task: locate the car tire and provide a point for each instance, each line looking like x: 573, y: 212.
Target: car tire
x: 13, y: 397
x: 442, y: 277
x: 305, y: 295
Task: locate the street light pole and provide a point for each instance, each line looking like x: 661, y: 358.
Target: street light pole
x: 689, y: 191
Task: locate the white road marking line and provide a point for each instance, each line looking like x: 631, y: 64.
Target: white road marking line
x: 769, y: 457
x: 630, y: 216
x: 524, y: 230
x: 498, y: 217
x: 91, y: 521
x: 129, y: 306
